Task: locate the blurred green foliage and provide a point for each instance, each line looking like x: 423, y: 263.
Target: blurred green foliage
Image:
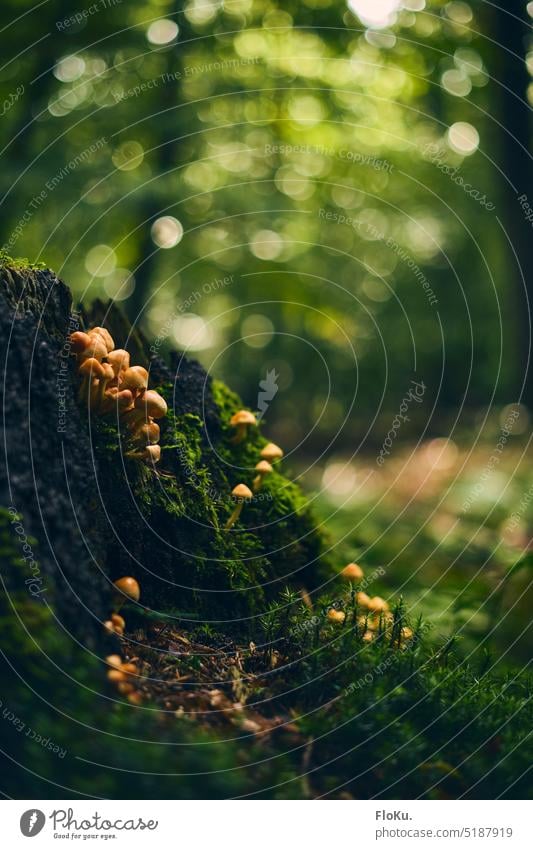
x: 197, y: 162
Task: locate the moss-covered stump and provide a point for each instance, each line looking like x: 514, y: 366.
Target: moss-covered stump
x: 239, y: 684
x: 96, y: 515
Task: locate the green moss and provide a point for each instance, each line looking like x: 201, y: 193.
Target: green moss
x: 187, y: 503
x: 20, y: 263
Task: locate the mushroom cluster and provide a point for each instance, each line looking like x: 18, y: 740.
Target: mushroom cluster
x: 110, y: 384
x: 126, y: 589
x: 377, y: 614
x: 123, y: 676
x: 241, y: 421
x: 120, y: 673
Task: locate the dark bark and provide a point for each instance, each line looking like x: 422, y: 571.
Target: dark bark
x: 509, y: 28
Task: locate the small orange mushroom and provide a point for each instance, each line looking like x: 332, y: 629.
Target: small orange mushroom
x: 363, y: 600
x: 96, y: 348
x: 271, y: 452
x: 241, y: 493
x: 119, y: 360
x: 136, y: 379
x: 90, y: 369
x: 79, y: 341
x: 377, y: 605
x: 128, y: 589
x: 263, y: 468
x: 240, y: 421
x: 104, y: 335
x: 337, y: 616
x: 352, y: 572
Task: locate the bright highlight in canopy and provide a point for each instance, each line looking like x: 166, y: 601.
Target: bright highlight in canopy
x: 375, y: 13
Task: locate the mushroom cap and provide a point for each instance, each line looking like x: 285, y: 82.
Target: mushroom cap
x: 108, y: 373
x: 153, y: 453
x: 363, y: 600
x: 119, y: 360
x: 124, y: 398
x: 271, y: 452
x: 242, y: 491
x: 135, y: 377
x: 96, y: 348
x: 79, y: 341
x: 116, y: 619
x: 104, y: 334
x: 352, y: 572
x: 378, y: 604
x: 91, y: 368
x: 336, y: 615
x: 115, y: 675
x: 148, y: 432
x: 152, y: 403
x: 114, y: 660
x: 263, y: 467
x: 128, y: 587
x: 243, y: 417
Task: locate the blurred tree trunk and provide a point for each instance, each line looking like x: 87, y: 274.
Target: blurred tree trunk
x: 164, y: 159
x: 509, y: 28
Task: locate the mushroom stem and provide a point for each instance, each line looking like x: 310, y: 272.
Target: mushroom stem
x: 84, y: 386
x: 234, y: 516
x: 150, y: 453
x: 242, y: 493
x: 240, y: 434
x: 102, y: 386
x: 262, y: 468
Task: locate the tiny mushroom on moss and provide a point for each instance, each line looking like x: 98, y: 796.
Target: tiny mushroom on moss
x: 271, y: 452
x: 262, y: 468
x: 115, y: 675
x: 240, y: 421
x: 352, y: 572
x: 241, y: 493
x: 337, y: 616
x: 377, y: 604
x: 128, y: 589
x: 135, y: 698
x: 363, y: 600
